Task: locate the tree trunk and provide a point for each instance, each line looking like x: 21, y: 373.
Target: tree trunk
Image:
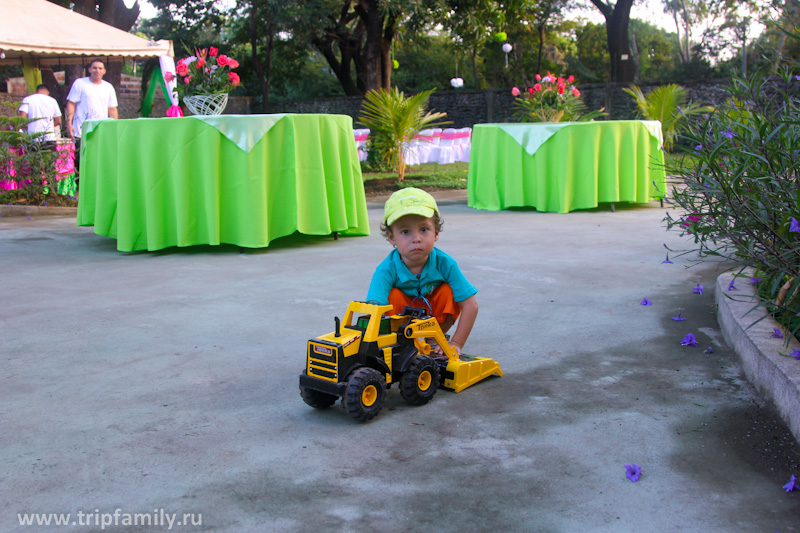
x: 372, y: 52
x: 263, y: 78
x: 341, y: 69
x: 623, y: 69
x: 541, y: 48
x: 387, y: 65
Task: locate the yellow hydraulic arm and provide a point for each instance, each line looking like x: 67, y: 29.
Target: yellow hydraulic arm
x: 462, y: 371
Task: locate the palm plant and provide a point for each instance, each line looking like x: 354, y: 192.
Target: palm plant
x: 670, y: 105
x: 395, y: 121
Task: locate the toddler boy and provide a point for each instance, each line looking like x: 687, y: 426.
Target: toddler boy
x: 418, y: 274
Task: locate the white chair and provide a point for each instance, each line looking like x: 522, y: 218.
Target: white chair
x: 465, y: 142
x: 361, y: 138
x: 424, y: 142
x: 448, y: 150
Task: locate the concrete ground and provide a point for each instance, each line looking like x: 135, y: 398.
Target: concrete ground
x: 147, y: 384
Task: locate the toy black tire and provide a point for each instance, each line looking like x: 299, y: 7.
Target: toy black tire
x: 365, y: 393
x: 317, y: 399
x: 420, y: 382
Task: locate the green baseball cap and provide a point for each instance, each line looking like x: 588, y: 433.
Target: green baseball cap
x: 409, y: 201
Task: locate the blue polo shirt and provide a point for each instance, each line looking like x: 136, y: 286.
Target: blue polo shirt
x: 440, y: 268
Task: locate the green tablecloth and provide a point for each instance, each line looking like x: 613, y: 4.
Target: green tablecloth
x: 565, y: 166
x: 152, y: 183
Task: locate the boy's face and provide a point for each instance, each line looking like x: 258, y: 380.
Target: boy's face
x: 414, y: 237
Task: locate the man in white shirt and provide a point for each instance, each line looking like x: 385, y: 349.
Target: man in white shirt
x: 90, y: 97
x: 44, y: 109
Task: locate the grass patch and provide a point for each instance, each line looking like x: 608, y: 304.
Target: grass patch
x: 428, y: 176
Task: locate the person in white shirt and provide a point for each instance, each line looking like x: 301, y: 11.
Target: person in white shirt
x: 90, y: 97
x: 44, y: 109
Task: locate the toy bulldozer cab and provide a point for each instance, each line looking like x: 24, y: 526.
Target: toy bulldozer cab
x: 369, y: 351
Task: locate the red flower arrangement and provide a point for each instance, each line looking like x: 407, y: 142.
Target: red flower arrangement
x: 206, y: 72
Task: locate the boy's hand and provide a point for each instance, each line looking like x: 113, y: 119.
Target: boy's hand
x: 436, y: 349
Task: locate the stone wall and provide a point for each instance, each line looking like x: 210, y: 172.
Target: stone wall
x: 467, y: 107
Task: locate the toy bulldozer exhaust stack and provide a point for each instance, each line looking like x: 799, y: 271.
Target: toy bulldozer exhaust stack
x: 368, y: 352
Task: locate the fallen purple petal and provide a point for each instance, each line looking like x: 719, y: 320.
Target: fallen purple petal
x: 646, y: 302
x: 755, y: 280
x: 776, y: 333
x: 689, y: 340
x: 666, y: 260
x: 633, y: 472
x: 709, y: 350
x: 678, y: 318
x: 732, y: 287
x: 698, y: 289
x: 796, y: 354
x: 792, y: 485
x: 794, y: 225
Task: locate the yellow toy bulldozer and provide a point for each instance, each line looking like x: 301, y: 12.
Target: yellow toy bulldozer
x: 368, y: 352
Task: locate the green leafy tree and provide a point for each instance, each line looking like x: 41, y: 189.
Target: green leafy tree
x: 655, y: 51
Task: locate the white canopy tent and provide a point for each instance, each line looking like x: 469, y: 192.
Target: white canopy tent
x: 41, y: 33
x: 38, y: 33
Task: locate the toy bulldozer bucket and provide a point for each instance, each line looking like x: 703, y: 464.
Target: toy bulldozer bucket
x: 462, y: 371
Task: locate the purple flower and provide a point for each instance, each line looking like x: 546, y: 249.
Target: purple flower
x: 698, y: 289
x: 666, y: 260
x: 689, y: 340
x: 633, y: 472
x: 646, y: 302
x: 698, y: 148
x: 755, y: 280
x: 795, y: 225
x: 796, y: 354
x: 776, y: 333
x: 709, y: 350
x: 678, y: 318
x: 792, y: 485
x: 732, y: 287
x: 728, y: 133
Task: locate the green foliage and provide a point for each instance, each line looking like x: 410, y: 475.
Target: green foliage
x: 670, y: 105
x: 394, y: 120
x: 33, y: 164
x: 741, y: 199
x: 657, y: 51
x: 592, y: 63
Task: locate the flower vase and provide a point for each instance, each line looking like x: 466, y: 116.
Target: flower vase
x: 550, y: 115
x: 206, y: 104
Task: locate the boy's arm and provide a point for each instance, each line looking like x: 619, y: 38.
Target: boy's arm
x: 469, y: 312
